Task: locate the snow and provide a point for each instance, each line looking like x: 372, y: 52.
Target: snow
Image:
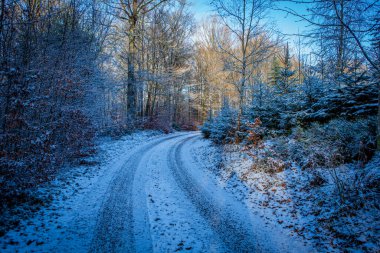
x: 237, y: 200
x: 175, y: 223
x: 179, y: 192
x: 291, y: 200
x: 67, y: 224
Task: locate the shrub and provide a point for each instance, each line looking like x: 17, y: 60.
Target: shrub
x: 329, y: 145
x: 158, y: 123
x: 206, y: 129
x: 263, y: 157
x: 349, y: 102
x: 337, y: 142
x: 267, y: 161
x: 221, y: 129
x: 255, y: 134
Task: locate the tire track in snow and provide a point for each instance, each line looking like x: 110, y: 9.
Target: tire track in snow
x: 114, y: 228
x: 230, y: 229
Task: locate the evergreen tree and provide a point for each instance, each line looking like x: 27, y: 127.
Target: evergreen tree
x: 282, y: 75
x: 275, y: 74
x: 221, y: 129
x: 286, y: 73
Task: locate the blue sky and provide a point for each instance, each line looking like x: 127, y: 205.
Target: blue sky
x: 286, y: 23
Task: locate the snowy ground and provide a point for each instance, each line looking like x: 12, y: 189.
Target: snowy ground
x: 77, y: 196
x: 304, y: 202
x: 152, y: 194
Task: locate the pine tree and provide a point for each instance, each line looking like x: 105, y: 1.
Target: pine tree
x: 287, y: 74
x: 275, y: 74
x: 282, y: 75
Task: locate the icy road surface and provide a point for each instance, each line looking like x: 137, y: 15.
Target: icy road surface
x: 157, y: 197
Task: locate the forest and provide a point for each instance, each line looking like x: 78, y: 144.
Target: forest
x: 75, y: 71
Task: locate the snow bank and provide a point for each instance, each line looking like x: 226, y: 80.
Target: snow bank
x: 66, y: 224
x: 333, y: 209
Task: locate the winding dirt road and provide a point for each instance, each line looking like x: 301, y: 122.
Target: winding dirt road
x: 159, y: 198
x: 162, y: 201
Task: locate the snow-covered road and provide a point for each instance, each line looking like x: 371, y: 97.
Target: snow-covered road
x: 155, y: 198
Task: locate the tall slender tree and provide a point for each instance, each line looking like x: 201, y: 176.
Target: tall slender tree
x: 245, y: 20
x: 133, y: 11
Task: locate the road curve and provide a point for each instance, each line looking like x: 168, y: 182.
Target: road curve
x: 240, y: 229
x: 114, y: 227
x: 230, y: 228
x: 155, y: 197
x: 162, y: 201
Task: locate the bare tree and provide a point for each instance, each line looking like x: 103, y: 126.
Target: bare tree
x: 356, y: 18
x: 245, y: 20
x: 209, y: 67
x: 133, y: 11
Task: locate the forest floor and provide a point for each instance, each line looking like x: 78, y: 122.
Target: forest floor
x: 334, y: 209
x: 150, y: 193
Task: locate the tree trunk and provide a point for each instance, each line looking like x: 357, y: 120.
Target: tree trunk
x: 339, y: 67
x: 2, y: 12
x: 131, y: 80
x: 148, y: 101
x: 378, y: 122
